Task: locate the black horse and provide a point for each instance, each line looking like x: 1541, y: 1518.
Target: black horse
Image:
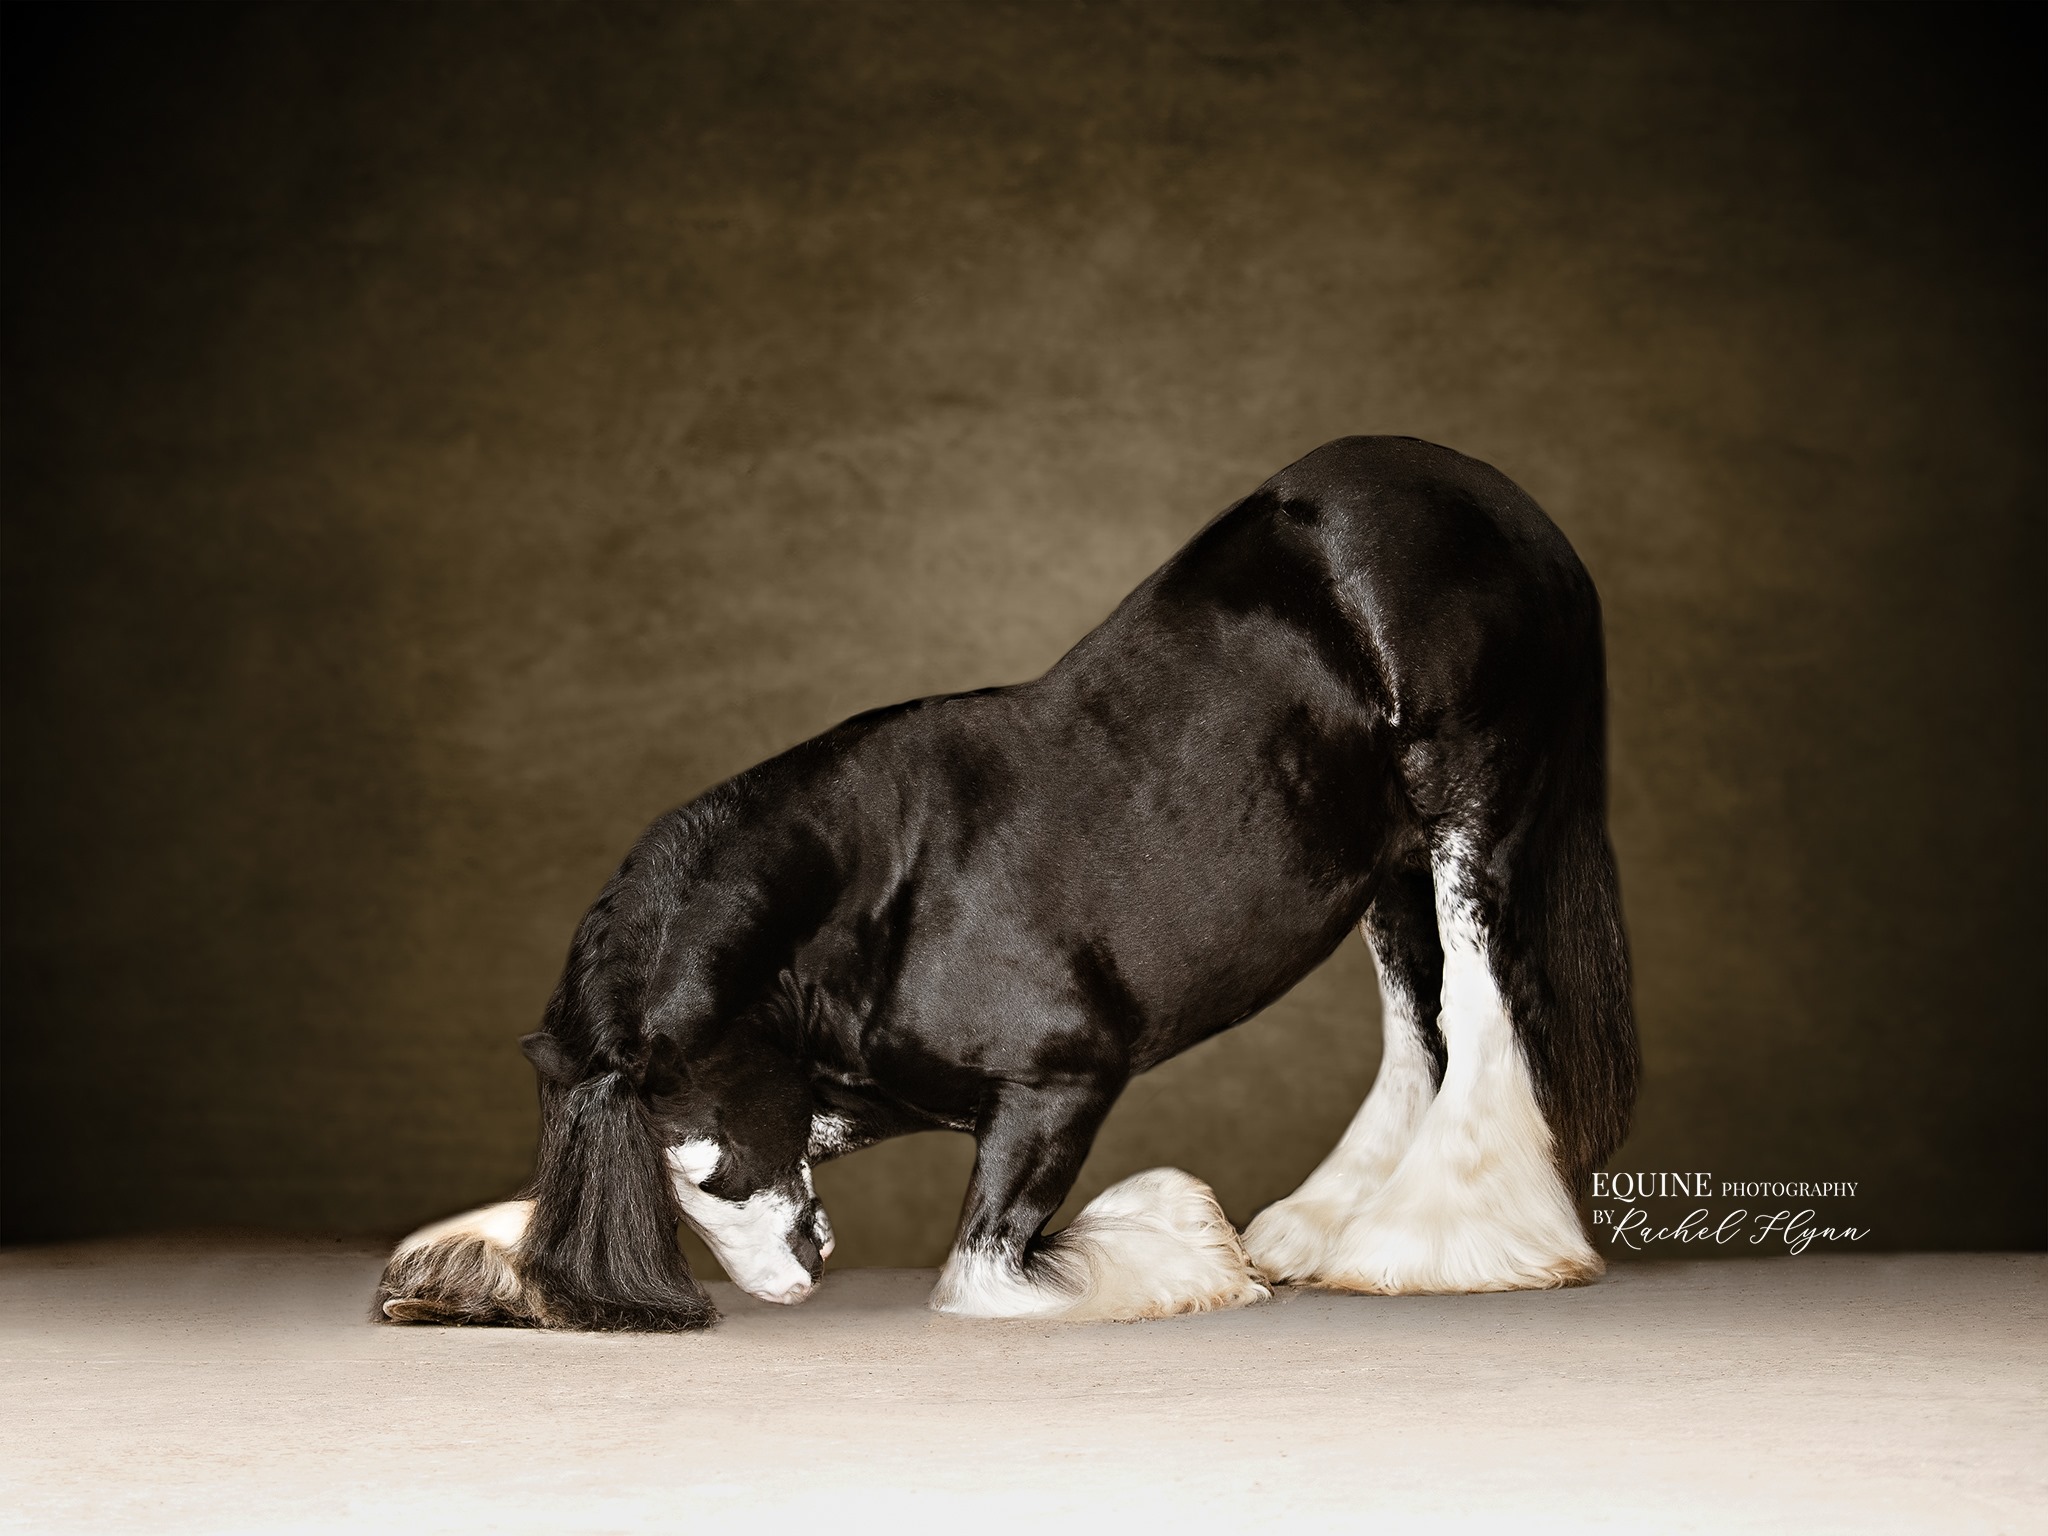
x: 1371, y: 693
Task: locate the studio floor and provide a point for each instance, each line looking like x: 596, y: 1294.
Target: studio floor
x: 228, y: 1386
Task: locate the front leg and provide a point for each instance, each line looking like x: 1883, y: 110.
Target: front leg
x: 1152, y: 1246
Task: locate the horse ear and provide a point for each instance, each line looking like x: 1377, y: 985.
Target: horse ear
x: 548, y: 1057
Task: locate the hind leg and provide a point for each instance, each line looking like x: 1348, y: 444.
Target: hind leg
x: 1477, y: 1203
x: 1296, y: 1238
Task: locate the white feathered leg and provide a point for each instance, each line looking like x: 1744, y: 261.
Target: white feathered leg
x: 1476, y: 1203
x: 1153, y: 1245
x: 1294, y: 1238
x: 1473, y: 1200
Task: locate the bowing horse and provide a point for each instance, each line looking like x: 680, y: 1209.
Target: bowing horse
x: 1369, y: 695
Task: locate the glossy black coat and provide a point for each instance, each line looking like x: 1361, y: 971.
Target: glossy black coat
x: 986, y: 911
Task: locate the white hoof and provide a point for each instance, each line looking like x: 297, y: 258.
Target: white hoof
x: 1422, y: 1235
x: 1405, y: 1261
x: 1292, y: 1239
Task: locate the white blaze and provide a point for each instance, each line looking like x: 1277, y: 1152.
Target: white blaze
x: 751, y: 1236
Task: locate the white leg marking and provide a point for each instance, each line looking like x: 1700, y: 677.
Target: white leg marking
x: 750, y: 1236
x: 500, y: 1226
x: 821, y: 1227
x: 474, y: 1264
x: 1476, y: 1204
x: 1154, y: 1245
x: 1289, y: 1240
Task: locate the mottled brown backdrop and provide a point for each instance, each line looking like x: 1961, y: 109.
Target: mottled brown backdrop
x: 439, y: 438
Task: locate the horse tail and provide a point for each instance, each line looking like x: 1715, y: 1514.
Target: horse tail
x: 1565, y: 949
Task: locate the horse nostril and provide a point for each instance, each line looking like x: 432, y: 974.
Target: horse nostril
x: 806, y: 1253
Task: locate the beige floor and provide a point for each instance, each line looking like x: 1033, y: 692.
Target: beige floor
x: 236, y: 1386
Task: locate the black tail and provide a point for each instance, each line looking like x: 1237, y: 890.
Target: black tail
x: 592, y: 1245
x: 601, y: 1251
x: 1566, y: 950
